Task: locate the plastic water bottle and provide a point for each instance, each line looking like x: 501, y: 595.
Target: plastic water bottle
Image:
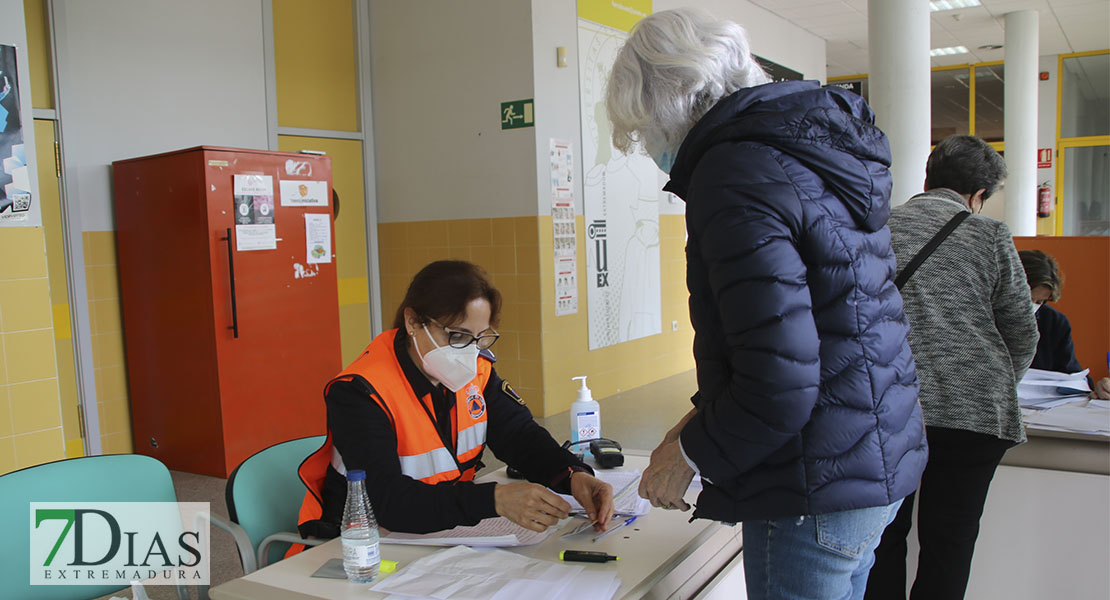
x: 359, y: 531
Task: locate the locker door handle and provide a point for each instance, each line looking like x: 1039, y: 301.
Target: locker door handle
x: 234, y: 327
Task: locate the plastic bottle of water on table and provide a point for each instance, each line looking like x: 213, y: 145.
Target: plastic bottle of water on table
x: 359, y: 531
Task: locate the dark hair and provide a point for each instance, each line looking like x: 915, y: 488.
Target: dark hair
x: 966, y: 164
x: 442, y: 290
x: 1042, y: 269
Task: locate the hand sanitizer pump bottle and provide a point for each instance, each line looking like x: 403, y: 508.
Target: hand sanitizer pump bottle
x: 585, y: 418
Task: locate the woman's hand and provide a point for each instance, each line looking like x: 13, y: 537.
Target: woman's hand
x: 595, y: 496
x: 530, y: 505
x: 1102, y: 389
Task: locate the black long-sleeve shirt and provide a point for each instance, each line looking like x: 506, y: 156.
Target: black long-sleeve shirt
x: 365, y: 439
x: 1055, y: 350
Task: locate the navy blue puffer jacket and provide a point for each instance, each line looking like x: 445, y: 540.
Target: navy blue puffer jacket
x: 807, y: 393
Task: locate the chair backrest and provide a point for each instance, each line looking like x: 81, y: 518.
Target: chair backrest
x: 113, y: 478
x: 264, y: 493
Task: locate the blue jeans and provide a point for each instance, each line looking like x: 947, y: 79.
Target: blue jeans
x: 819, y: 557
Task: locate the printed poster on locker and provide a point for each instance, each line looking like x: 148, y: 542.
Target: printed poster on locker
x: 254, y: 213
x: 317, y: 235
x: 16, y: 208
x: 563, y: 224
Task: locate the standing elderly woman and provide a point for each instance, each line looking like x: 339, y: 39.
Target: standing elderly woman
x: 806, y: 425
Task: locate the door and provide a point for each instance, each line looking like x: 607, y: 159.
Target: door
x: 275, y: 300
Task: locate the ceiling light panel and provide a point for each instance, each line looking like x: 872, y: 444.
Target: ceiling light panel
x: 939, y: 5
x: 948, y: 51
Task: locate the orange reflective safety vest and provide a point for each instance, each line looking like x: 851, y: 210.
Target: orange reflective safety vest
x: 421, y: 451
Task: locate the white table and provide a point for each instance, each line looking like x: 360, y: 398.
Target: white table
x: 662, y: 556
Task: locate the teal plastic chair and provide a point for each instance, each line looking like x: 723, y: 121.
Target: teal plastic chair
x: 264, y: 496
x: 112, y: 478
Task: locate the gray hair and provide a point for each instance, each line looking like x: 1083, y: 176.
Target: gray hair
x: 676, y: 65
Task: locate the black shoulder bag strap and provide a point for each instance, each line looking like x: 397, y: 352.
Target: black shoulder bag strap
x: 924, y: 253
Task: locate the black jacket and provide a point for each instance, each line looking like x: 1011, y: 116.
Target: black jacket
x: 807, y: 394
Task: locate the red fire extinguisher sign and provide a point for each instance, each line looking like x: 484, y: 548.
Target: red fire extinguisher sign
x: 1044, y: 158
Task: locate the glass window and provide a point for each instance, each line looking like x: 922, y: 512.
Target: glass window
x: 1085, y: 97
x: 989, y: 92
x: 1087, y: 190
x: 951, y: 109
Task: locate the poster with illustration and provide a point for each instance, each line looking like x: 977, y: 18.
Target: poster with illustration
x: 15, y: 176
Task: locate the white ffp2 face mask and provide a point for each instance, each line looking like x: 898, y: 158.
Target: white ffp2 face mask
x: 453, y: 367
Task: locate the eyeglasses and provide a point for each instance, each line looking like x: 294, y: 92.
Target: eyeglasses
x: 462, y: 339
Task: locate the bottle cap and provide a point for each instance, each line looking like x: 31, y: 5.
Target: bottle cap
x: 356, y: 475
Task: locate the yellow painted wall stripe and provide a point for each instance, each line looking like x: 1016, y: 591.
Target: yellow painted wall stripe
x: 618, y: 15
x: 353, y: 290
x: 62, y: 330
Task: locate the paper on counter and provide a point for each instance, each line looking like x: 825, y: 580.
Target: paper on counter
x: 496, y: 531
x: 626, y: 497
x: 1073, y: 418
x: 462, y: 573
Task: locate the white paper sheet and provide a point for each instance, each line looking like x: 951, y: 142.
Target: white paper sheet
x: 462, y: 573
x: 1073, y: 418
x: 626, y: 499
x: 317, y: 235
x: 497, y: 531
x: 296, y: 192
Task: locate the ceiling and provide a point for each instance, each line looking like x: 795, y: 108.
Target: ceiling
x: 1065, y: 26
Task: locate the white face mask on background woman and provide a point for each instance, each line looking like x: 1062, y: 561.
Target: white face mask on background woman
x: 453, y: 367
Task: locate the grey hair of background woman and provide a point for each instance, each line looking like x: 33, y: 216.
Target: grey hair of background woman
x: 675, y: 66
x: 966, y: 164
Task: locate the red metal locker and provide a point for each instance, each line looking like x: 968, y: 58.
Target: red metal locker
x: 210, y: 384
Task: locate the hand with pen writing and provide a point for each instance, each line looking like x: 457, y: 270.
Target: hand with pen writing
x: 595, y: 496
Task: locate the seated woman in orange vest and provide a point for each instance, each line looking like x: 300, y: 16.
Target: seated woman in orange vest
x: 417, y: 409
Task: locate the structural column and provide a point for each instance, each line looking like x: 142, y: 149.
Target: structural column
x: 898, y: 33
x: 1022, y: 49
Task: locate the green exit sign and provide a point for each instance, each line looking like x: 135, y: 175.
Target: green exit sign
x: 517, y: 114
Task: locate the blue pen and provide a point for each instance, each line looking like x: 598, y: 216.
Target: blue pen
x: 627, y: 521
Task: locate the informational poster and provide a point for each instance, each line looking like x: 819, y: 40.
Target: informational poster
x: 17, y: 208
x: 254, y: 213
x: 563, y: 224
x: 317, y: 235
x: 621, y: 192
x: 303, y: 193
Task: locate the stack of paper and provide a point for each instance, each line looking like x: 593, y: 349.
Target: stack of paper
x: 496, y: 531
x: 1086, y: 418
x: 463, y: 573
x: 1048, y: 389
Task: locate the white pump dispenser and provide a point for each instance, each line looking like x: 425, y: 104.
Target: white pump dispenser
x: 585, y: 418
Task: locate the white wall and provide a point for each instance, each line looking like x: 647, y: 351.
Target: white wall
x: 14, y: 33
x: 141, y: 77
x: 772, y: 37
x: 440, y: 72
x: 555, y: 23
